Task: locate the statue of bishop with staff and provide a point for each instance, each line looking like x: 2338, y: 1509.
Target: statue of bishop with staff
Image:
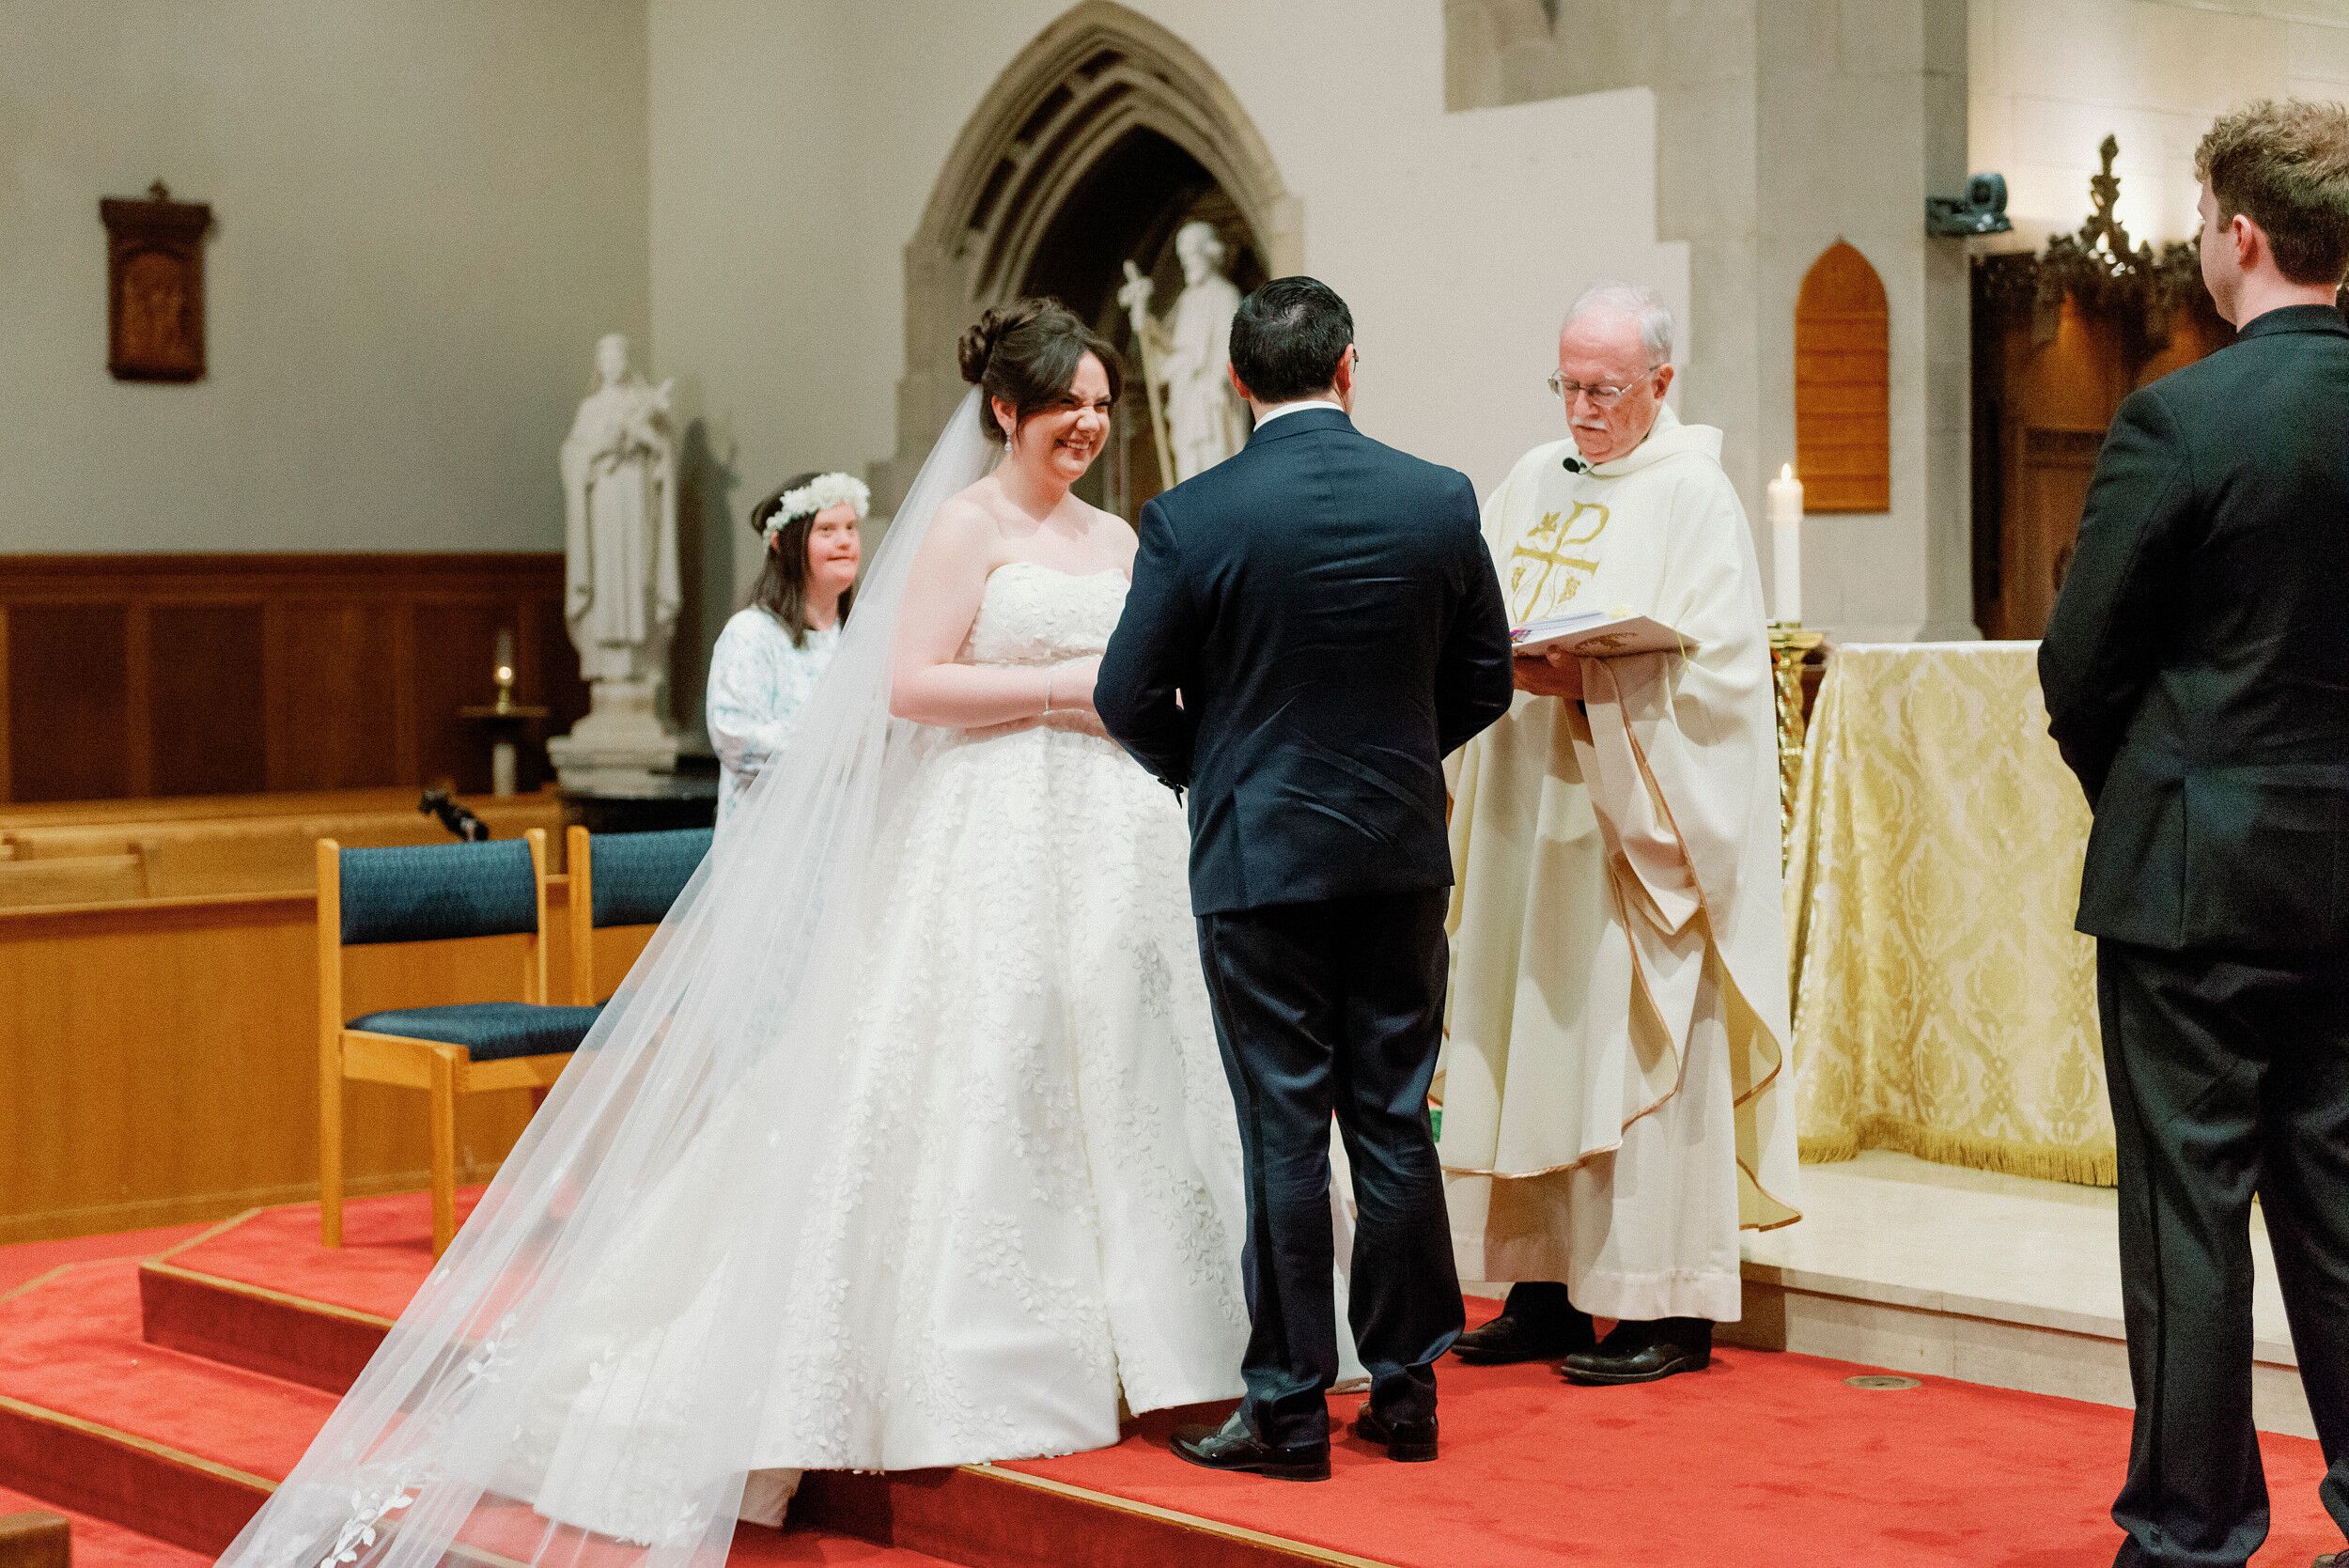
x: 1195, y: 415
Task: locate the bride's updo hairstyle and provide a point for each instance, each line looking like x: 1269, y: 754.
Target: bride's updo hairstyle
x: 1026, y: 354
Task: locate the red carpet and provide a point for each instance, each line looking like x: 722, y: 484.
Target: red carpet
x: 1763, y: 1459
x: 1766, y: 1459
x: 383, y: 1257
x: 99, y: 1544
x: 73, y: 1345
x: 30, y: 1260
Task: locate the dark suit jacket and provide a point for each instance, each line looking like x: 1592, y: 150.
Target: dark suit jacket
x: 1325, y: 610
x: 2197, y: 667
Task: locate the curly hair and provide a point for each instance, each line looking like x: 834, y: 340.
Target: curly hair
x: 2286, y: 166
x: 1026, y: 354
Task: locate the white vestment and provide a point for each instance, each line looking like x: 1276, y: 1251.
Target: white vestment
x: 1616, y: 1094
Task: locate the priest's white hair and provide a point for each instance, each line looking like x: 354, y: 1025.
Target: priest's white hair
x: 1633, y: 302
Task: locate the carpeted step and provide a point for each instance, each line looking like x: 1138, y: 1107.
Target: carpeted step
x: 177, y: 1451
x: 263, y: 1292
x: 1769, y: 1458
x: 101, y: 1543
x: 169, y: 1445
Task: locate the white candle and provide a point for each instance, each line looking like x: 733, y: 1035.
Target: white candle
x: 1786, y: 544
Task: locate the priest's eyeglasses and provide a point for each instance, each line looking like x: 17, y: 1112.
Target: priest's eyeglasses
x: 1601, y: 396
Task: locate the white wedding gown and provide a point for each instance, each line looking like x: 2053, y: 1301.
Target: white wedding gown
x: 1028, y: 1210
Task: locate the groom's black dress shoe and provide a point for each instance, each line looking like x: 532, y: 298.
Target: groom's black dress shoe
x: 1536, y: 1324
x: 1644, y: 1352
x: 1411, y: 1441
x: 1233, y: 1447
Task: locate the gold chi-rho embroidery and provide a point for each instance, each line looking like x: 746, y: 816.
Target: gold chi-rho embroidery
x: 1541, y: 557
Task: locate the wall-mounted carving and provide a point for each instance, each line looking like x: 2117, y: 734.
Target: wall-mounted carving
x: 155, y: 287
x: 2060, y: 339
x: 2099, y: 266
x: 1843, y: 385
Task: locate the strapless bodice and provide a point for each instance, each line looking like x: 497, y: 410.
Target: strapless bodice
x: 1032, y: 614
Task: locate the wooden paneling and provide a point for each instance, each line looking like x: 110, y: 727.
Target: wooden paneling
x: 69, y: 701
x: 1843, y: 385
x: 206, y: 703
x: 456, y: 652
x: 136, y: 676
x: 333, y: 659
x: 190, y: 847
x: 194, y: 1092
x: 191, y: 1093
x: 2046, y: 383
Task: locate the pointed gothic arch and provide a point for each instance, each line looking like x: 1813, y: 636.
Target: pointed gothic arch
x: 1085, y: 92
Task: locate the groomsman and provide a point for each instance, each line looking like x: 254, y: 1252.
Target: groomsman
x: 2196, y: 676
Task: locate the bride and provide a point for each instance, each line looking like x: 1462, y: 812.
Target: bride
x: 906, y: 1143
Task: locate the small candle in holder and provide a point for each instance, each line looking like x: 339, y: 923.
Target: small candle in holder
x: 1786, y: 544
x: 506, y: 658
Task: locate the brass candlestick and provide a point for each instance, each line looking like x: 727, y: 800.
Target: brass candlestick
x: 505, y: 719
x: 506, y: 671
x: 1790, y: 650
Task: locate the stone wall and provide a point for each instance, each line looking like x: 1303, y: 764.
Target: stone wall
x: 787, y: 187
x: 1783, y: 126
x: 424, y: 212
x: 2050, y: 79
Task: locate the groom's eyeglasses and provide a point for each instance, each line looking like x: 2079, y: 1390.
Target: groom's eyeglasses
x: 1603, y: 395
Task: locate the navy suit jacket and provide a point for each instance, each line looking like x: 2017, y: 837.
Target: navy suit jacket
x: 2197, y: 667
x: 1314, y: 624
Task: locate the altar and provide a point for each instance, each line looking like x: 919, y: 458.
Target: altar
x: 1944, y: 1008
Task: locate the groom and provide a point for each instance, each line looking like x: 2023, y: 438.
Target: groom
x: 1313, y: 623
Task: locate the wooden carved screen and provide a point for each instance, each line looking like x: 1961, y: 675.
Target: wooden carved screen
x: 1843, y: 385
x: 2060, y: 339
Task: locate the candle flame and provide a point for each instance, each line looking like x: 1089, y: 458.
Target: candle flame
x: 1785, y: 471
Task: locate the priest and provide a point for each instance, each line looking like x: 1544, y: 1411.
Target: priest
x: 1617, y: 1102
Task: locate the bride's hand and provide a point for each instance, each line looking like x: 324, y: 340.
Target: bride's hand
x: 1071, y: 686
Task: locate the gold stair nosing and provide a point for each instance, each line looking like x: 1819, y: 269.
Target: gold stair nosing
x: 1329, y: 1557
x: 182, y: 1459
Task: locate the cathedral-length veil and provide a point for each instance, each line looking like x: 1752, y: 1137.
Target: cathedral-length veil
x: 446, y: 1441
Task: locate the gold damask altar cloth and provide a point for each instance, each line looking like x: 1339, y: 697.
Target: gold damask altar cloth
x: 1943, y: 1004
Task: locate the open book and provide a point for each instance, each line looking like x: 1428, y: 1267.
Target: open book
x: 1600, y: 634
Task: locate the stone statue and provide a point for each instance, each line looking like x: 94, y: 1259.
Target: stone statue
x: 621, y: 593
x: 1186, y: 355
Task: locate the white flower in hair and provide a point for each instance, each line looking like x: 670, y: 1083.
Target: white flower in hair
x: 825, y: 490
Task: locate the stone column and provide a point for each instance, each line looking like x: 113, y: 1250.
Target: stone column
x: 1861, y: 108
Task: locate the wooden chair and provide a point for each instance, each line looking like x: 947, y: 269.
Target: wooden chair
x: 433, y: 893
x: 623, y: 879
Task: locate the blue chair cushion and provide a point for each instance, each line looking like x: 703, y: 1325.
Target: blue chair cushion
x: 435, y: 892
x: 638, y: 875
x: 492, y: 1031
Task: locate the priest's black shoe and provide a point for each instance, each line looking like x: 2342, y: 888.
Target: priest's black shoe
x: 1644, y: 1352
x: 1536, y: 1324
x: 1233, y: 1447
x: 1411, y: 1441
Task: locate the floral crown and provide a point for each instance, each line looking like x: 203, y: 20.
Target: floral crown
x: 825, y: 490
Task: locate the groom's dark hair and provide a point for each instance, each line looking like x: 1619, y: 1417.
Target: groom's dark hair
x: 1287, y: 338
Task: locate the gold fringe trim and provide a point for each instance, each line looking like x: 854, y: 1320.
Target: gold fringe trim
x: 2082, y: 1167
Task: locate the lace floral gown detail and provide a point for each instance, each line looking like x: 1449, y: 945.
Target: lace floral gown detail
x: 1043, y: 1167
x: 1029, y: 1207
